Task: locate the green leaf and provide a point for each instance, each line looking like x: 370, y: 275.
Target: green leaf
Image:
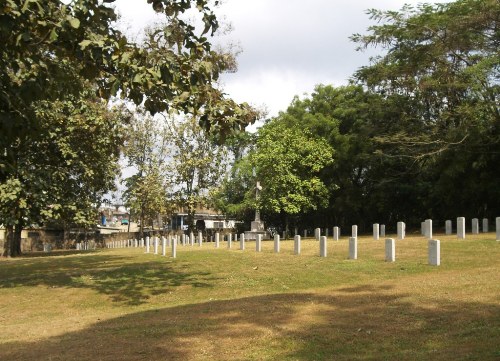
x: 53, y: 35
x: 74, y: 22
x: 84, y: 43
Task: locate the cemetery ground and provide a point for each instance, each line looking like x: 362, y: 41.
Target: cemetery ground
x: 220, y: 304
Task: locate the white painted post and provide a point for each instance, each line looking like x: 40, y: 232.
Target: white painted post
x: 353, y: 248
x: 461, y: 227
x: 376, y: 231
x: 258, y: 243
x: 485, y: 225
x: 382, y: 230
x: 217, y: 240
x: 296, y: 244
x: 322, y: 246
x: 475, y: 226
x: 390, y: 250
x: 448, y: 227
x: 242, y: 241
x: 434, y: 252
x: 336, y: 233
x: 276, y: 243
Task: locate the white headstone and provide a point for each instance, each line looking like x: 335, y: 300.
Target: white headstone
x: 305, y: 233
x: 354, y: 231
x: 447, y: 226
x: 434, y: 252
x: 326, y: 232
x: 142, y: 242
x: 276, y: 243
x: 401, y: 230
x: 258, y: 243
x: 336, y: 233
x: 322, y: 246
x: 296, y: 244
x: 485, y: 225
x: 317, y: 233
x: 390, y: 250
x: 376, y: 231
x: 174, y: 248
x: 353, y: 248
x: 461, y: 227
x: 229, y: 240
x: 428, y: 228
x: 217, y: 240
x: 163, y: 246
x: 497, y: 227
x: 475, y: 226
x: 147, y: 244
x: 284, y: 234
x: 156, y: 244
x: 242, y: 241
x: 200, y: 238
x: 382, y: 230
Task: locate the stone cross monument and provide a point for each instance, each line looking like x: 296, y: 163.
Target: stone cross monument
x: 257, y: 226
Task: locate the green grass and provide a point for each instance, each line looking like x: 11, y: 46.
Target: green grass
x: 220, y: 304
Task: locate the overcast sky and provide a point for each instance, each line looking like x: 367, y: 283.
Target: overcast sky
x: 288, y: 46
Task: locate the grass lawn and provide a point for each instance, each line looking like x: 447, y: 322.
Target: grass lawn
x: 220, y: 304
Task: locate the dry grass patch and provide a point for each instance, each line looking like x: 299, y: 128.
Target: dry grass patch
x: 219, y: 304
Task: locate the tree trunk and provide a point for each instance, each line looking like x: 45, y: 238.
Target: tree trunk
x: 17, y: 239
x: 8, y: 242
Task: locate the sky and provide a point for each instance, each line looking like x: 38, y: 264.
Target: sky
x: 288, y: 46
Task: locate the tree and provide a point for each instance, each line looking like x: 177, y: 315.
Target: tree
x: 50, y: 50
x: 146, y: 151
x: 196, y: 167
x: 442, y: 69
x: 63, y: 172
x: 288, y: 162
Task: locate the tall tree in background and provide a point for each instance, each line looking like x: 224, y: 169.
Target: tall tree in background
x: 147, y: 153
x: 196, y: 166
x: 442, y: 69
x: 288, y: 162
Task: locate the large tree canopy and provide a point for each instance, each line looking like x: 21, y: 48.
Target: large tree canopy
x: 69, y: 54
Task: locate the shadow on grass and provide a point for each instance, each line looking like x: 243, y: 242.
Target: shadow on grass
x: 362, y: 323
x: 113, y: 275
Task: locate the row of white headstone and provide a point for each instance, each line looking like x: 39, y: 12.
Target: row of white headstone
x: 86, y: 246
x: 426, y: 229
x: 390, y: 246
x: 434, y: 249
